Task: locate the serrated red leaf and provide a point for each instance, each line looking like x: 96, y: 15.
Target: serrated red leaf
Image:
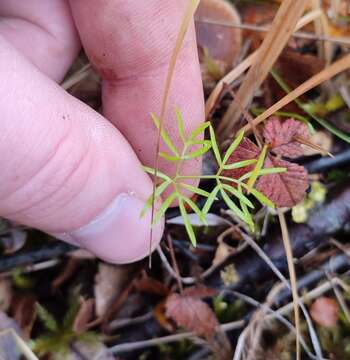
x: 283, y: 189
x: 280, y: 135
x: 192, y: 314
x: 246, y: 150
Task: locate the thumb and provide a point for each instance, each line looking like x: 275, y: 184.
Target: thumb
x: 66, y: 170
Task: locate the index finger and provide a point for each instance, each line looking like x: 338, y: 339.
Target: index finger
x: 130, y: 44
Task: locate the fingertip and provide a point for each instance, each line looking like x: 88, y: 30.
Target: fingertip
x: 119, y: 234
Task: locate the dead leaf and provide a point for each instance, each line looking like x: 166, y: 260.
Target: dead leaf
x: 223, y: 43
x: 109, y: 283
x: 84, y: 316
x: 192, y: 314
x: 5, y: 293
x: 280, y: 135
x: 325, y: 311
x: 283, y: 189
x: 199, y: 291
x: 322, y: 139
x: 159, y: 314
x: 23, y: 312
x: 65, y: 274
x: 150, y: 285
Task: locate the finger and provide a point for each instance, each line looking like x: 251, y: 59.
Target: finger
x: 43, y: 31
x: 130, y: 43
x: 67, y: 170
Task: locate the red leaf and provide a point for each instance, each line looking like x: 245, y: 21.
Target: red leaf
x: 246, y: 150
x: 150, y: 285
x: 192, y: 314
x: 281, y: 136
x: 284, y: 189
x: 325, y: 311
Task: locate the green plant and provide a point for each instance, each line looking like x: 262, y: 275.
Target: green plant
x: 226, y: 187
x: 59, y: 338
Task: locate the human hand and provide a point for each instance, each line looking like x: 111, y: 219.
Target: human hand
x: 65, y: 169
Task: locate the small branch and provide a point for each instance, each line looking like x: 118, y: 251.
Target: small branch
x: 261, y: 28
x: 131, y: 346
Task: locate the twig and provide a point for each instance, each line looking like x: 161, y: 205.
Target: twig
x: 48, y: 251
x: 262, y: 28
x: 175, y: 265
x: 293, y: 278
x: 120, y: 323
x: 131, y: 346
x: 262, y: 254
x: 275, y: 314
x: 172, y: 272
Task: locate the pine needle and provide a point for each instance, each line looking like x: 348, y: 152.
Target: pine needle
x: 191, y: 8
x: 326, y: 74
x: 244, y: 65
x: 293, y: 278
x: 282, y: 28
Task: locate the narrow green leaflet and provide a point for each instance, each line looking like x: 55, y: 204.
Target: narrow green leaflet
x: 199, y: 130
x: 180, y: 125
x: 159, y: 173
x: 195, y: 190
x: 246, y: 212
x: 165, y: 136
x: 187, y: 223
x: 199, y: 152
x: 159, y: 191
x: 215, y: 146
x: 262, y: 198
x: 257, y: 169
x: 266, y: 171
x: 238, y: 194
x: 196, y: 209
x: 239, y: 164
x: 168, y: 157
x: 233, y: 146
x: 232, y: 206
x: 165, y: 205
x: 47, y: 319
x: 211, y: 199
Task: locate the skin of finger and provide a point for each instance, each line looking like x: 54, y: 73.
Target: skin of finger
x: 61, y: 162
x: 43, y: 31
x: 130, y: 44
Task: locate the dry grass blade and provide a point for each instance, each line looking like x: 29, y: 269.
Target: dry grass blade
x: 293, y: 279
x: 334, y: 69
x: 77, y: 77
x: 282, y: 27
x: 26, y: 351
x: 244, y: 65
x: 190, y: 10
